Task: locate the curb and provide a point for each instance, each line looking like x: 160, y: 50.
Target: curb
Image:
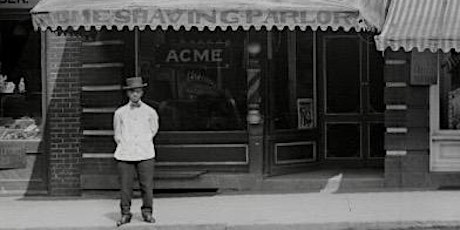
x: 403, y: 225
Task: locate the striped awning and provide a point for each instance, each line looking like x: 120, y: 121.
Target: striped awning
x: 210, y: 14
x: 421, y: 24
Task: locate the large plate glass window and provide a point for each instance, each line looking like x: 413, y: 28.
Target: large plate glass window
x: 20, y: 81
x: 197, y: 80
x: 449, y: 92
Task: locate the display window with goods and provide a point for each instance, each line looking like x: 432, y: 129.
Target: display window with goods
x: 449, y: 94
x: 444, y: 110
x: 20, y: 81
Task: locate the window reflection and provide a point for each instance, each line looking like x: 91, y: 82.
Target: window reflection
x: 196, y: 82
x: 450, y: 92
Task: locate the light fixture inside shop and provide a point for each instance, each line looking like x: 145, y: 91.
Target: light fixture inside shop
x: 254, y: 48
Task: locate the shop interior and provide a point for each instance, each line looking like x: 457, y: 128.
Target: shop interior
x: 20, y: 81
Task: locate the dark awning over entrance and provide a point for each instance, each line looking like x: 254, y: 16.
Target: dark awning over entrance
x: 421, y: 24
x: 346, y: 14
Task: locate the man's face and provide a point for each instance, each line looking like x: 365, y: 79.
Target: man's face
x: 135, y: 95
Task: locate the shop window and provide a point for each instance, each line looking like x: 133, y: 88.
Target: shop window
x: 444, y: 113
x: 449, y: 92
x: 293, y: 102
x: 197, y: 80
x: 20, y: 81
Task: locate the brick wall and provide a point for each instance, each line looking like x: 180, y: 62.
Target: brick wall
x: 407, y: 125
x: 63, y: 113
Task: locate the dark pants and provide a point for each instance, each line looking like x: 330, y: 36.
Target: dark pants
x: 144, y: 171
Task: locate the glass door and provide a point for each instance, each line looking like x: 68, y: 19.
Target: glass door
x: 292, y: 139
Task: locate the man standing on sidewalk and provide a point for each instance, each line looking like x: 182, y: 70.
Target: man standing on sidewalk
x: 135, y: 125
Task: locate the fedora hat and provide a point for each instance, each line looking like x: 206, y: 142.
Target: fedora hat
x: 134, y: 82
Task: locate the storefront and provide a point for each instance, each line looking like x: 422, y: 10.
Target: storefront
x: 23, y: 164
x: 244, y: 90
x: 421, y: 93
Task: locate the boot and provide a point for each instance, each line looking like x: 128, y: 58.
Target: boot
x: 124, y: 220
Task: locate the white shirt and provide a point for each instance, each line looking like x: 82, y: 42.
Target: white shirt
x: 134, y: 129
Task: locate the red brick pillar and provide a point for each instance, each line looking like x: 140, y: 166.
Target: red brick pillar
x: 63, y: 113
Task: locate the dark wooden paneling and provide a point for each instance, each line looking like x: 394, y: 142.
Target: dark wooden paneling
x: 97, y: 121
x: 396, y: 72
x: 418, y: 97
x: 104, y: 144
x: 395, y: 118
x: 407, y: 118
x: 102, y: 99
x: 340, y: 135
x: 237, y: 137
x: 180, y: 153
x: 98, y: 144
x: 101, y: 76
x: 295, y: 152
x: 99, y: 166
x: 395, y: 95
x: 418, y: 139
x: 395, y: 141
x: 99, y: 54
x: 417, y: 118
x: 201, y: 153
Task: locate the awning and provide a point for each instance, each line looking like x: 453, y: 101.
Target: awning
x: 421, y: 24
x: 346, y: 14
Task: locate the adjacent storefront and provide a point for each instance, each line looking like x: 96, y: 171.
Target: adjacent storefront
x: 23, y: 165
x: 244, y: 90
x: 422, y: 89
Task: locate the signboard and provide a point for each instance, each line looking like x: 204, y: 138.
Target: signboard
x: 215, y: 55
x: 18, y: 4
x: 197, y: 18
x: 424, y: 68
x: 305, y: 113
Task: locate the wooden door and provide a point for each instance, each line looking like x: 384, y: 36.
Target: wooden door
x: 292, y: 138
x: 351, y: 99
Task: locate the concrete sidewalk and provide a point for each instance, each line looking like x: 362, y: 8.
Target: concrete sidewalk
x: 376, y: 210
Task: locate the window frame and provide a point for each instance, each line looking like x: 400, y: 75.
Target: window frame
x: 442, y: 141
